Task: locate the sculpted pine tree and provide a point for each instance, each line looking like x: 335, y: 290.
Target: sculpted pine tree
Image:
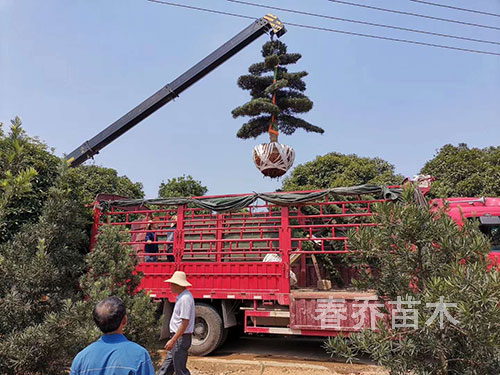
x: 276, y: 100
x: 276, y: 97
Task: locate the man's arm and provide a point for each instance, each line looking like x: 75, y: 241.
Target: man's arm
x: 170, y: 343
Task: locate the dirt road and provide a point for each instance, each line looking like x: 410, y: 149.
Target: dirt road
x: 252, y: 355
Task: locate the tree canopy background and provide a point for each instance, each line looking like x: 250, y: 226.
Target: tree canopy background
x: 27, y: 171
x: 183, y: 186
x: 336, y: 170
x: 90, y: 180
x: 461, y: 171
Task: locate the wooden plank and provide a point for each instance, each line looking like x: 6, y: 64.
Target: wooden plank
x: 336, y: 294
x: 316, y: 266
x: 294, y: 258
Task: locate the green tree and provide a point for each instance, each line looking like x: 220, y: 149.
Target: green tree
x: 27, y: 171
x: 184, y: 186
x: 39, y: 269
x: 49, y: 336
x: 44, y: 319
x: 461, y: 171
x: 336, y: 170
x: 44, y: 311
x: 276, y: 97
x: 418, y: 254
x: 90, y: 180
x: 111, y: 272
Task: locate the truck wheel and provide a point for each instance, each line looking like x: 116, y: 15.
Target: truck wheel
x: 223, y: 337
x: 208, y: 330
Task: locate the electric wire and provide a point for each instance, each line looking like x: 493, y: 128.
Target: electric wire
x: 202, y: 9
x: 457, y: 8
x: 414, y: 14
x: 363, y: 22
x: 329, y: 29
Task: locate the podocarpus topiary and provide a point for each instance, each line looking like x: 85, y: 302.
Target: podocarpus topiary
x: 290, y: 98
x: 276, y: 99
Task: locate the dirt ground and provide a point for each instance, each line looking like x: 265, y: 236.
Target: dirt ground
x: 252, y: 366
x: 251, y: 355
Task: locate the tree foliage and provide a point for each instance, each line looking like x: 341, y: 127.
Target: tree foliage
x: 45, y: 312
x: 336, y: 170
x: 27, y: 171
x: 111, y: 272
x: 289, y: 88
x: 415, y: 253
x: 183, y: 186
x: 39, y: 269
x: 461, y: 171
x: 90, y: 180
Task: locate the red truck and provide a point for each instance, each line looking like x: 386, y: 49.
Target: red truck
x: 256, y: 267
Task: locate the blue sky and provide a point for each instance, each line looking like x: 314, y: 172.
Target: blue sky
x: 70, y: 68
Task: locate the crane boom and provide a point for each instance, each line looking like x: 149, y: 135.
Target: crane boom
x: 89, y: 148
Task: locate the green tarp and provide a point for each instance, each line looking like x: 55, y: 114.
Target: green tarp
x: 237, y: 203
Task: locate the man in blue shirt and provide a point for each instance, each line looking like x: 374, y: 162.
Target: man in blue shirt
x: 112, y: 354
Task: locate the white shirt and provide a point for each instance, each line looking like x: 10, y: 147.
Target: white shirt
x: 183, y: 309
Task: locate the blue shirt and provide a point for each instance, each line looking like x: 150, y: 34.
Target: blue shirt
x: 113, y: 355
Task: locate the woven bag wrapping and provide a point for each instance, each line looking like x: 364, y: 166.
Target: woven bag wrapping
x: 273, y: 159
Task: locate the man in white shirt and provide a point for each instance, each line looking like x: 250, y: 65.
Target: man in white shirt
x: 181, y: 327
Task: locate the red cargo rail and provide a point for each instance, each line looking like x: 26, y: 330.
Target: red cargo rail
x: 224, y: 253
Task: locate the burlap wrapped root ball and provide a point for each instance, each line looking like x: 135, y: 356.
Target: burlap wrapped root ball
x: 273, y: 159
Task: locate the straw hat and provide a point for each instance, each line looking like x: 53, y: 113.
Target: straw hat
x: 178, y: 278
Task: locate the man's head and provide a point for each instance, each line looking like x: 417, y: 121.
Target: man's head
x: 110, y: 315
x: 154, y: 223
x: 176, y: 289
x: 178, y: 282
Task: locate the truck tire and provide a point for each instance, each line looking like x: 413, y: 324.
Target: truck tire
x: 208, y: 330
x: 223, y: 337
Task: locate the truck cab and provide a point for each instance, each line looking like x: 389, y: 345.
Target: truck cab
x: 486, y: 211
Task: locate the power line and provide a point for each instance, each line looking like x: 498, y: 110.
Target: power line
x: 363, y: 22
x: 415, y: 14
x: 329, y: 29
x: 394, y: 39
x: 456, y: 8
x: 202, y: 9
